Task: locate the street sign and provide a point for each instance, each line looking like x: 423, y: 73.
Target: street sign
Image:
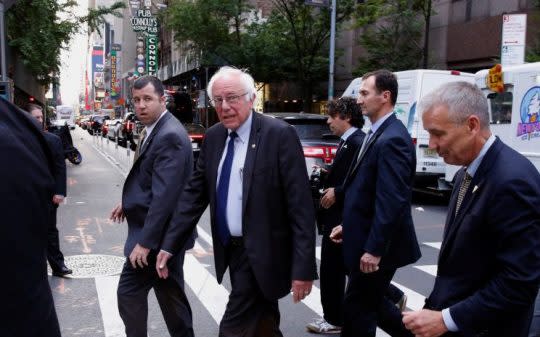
x: 143, y: 21
x: 513, y: 39
x: 152, y: 54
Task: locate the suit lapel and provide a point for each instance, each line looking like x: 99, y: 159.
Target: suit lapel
x: 154, y: 132
x: 251, y: 155
x: 476, y: 188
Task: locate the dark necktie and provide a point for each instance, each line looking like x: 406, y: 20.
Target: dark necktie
x: 364, y: 145
x: 223, y: 192
x: 340, y: 145
x: 463, y: 190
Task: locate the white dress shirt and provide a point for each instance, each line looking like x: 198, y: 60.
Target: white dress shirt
x: 151, y: 127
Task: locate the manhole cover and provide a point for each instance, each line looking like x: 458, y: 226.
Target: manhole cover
x: 92, y: 265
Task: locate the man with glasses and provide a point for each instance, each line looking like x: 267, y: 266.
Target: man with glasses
x: 251, y: 170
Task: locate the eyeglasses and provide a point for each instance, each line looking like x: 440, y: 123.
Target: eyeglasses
x: 233, y: 99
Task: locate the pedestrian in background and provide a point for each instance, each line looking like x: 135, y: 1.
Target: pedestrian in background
x: 54, y: 254
x: 252, y: 172
x: 378, y: 232
x: 151, y: 190
x: 489, y: 266
x: 345, y: 120
x: 27, y: 186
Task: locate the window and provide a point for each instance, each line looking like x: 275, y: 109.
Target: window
x: 500, y: 106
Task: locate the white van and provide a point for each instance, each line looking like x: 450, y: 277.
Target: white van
x: 514, y: 113
x: 412, y: 86
x: 64, y: 115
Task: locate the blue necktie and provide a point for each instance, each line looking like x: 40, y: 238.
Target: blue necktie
x: 223, y: 192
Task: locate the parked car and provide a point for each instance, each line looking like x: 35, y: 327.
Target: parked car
x: 95, y: 123
x: 317, y: 140
x: 113, y: 126
x: 196, y: 133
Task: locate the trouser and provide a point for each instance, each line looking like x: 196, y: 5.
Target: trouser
x: 248, y: 312
x: 333, y: 280
x: 54, y: 255
x: 132, y: 293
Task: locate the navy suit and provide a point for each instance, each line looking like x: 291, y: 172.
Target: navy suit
x: 278, y: 222
x: 333, y: 270
x: 54, y: 255
x: 489, y: 263
x: 27, y: 188
x: 377, y: 220
x: 150, y: 193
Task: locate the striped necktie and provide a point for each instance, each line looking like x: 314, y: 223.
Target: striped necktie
x: 463, y: 190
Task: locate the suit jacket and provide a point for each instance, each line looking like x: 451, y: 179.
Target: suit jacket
x: 489, y: 263
x: 278, y: 221
x: 331, y: 217
x: 155, y: 182
x: 57, y: 149
x: 27, y: 187
x: 377, y: 208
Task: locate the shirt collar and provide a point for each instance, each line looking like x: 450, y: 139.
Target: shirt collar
x: 348, y: 133
x: 375, y: 126
x: 151, y: 127
x: 245, y: 129
x: 471, y: 169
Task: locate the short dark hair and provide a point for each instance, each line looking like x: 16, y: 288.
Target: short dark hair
x: 31, y: 106
x: 346, y: 107
x: 384, y: 80
x: 143, y: 81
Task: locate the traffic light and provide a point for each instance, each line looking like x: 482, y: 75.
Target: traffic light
x: 4, y: 90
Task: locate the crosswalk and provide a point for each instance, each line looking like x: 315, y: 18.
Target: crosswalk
x: 214, y: 296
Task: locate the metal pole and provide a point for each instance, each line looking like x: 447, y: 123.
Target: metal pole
x: 2, y: 44
x: 332, y: 51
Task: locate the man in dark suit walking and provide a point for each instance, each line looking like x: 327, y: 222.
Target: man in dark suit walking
x: 150, y: 193
x: 345, y: 120
x: 489, y: 266
x: 251, y: 170
x: 54, y: 255
x: 27, y: 187
x: 378, y: 233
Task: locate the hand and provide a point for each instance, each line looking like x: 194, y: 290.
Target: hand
x: 328, y: 198
x: 337, y: 234
x: 424, y: 323
x: 161, y: 264
x: 117, y: 214
x: 139, y: 256
x: 369, y: 263
x: 57, y: 199
x: 300, y: 289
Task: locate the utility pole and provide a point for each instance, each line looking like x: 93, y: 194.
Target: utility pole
x: 3, y: 68
x: 332, y: 52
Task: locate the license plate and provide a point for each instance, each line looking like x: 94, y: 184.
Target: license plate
x: 194, y: 145
x: 430, y: 153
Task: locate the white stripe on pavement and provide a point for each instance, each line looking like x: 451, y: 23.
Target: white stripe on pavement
x: 106, y: 291
x: 436, y: 245
x: 431, y: 269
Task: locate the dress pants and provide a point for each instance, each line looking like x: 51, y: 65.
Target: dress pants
x: 132, y: 293
x: 54, y: 255
x: 333, y: 280
x: 363, y: 299
x: 248, y: 312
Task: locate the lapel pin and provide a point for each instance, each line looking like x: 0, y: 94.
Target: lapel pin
x: 475, y: 188
x: 253, y: 146
x: 345, y: 146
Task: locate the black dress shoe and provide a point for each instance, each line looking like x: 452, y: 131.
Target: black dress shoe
x: 62, y: 272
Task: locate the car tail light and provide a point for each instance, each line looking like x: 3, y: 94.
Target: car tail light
x: 414, y: 141
x: 326, y: 153
x: 129, y: 126
x: 455, y: 72
x: 196, y: 137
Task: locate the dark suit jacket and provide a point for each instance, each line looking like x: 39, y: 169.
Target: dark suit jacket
x: 57, y: 149
x: 489, y: 263
x: 155, y: 182
x: 331, y: 217
x: 27, y: 187
x: 278, y: 216
x: 377, y: 209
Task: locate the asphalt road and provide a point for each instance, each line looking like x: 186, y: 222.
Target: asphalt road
x: 93, y: 246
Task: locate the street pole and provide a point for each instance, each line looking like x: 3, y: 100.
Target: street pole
x: 2, y: 44
x: 332, y: 51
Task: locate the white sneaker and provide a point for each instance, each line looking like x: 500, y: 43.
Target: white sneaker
x: 320, y: 325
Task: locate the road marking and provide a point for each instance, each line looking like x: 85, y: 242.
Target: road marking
x: 318, y: 252
x: 106, y: 291
x: 430, y: 269
x: 436, y: 245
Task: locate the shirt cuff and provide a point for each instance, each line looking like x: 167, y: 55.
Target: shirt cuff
x: 448, y: 321
x: 163, y: 250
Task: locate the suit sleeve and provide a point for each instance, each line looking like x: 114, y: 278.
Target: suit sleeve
x: 301, y: 214
x: 515, y: 219
x: 394, y: 178
x: 191, y: 205
x: 171, y: 170
x: 60, y: 167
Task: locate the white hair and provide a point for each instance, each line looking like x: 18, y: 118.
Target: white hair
x: 245, y: 79
x: 462, y: 99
